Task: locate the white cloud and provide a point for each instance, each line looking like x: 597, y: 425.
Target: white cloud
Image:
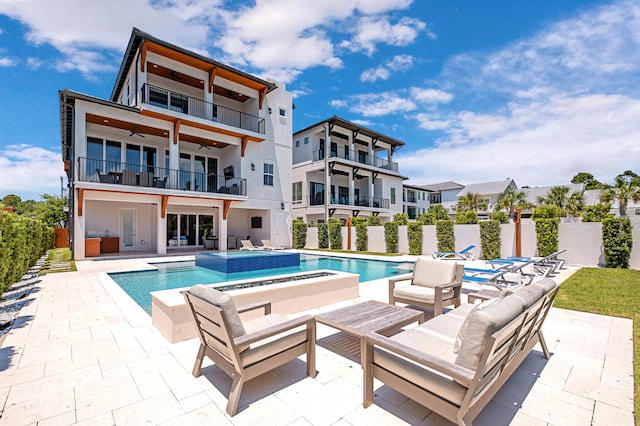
x: 536, y: 144
x: 373, y: 30
x: 392, y: 102
x: 430, y: 95
x: 29, y: 171
x: 383, y: 72
x: 7, y: 62
x: 34, y: 63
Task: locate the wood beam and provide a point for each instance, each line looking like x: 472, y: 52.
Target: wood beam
x: 262, y: 93
x: 143, y: 56
x: 212, y: 76
x: 165, y: 202
x: 80, y: 200
x: 176, y: 131
x: 225, y: 208
x: 245, y: 142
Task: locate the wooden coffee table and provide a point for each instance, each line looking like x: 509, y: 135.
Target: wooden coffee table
x: 370, y: 316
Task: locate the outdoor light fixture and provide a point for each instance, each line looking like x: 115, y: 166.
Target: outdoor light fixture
x: 253, y: 167
x: 282, y: 206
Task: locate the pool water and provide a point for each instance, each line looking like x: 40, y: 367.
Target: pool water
x: 138, y: 285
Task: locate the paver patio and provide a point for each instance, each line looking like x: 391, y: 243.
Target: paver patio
x: 81, y: 352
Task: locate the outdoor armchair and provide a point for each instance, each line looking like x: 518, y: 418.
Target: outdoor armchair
x: 246, y: 350
x: 434, y: 284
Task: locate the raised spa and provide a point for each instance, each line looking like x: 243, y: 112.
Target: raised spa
x: 232, y: 262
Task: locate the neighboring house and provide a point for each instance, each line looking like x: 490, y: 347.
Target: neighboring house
x: 445, y: 194
x: 342, y: 169
x: 532, y: 194
x: 416, y: 200
x: 184, y: 149
x: 489, y: 192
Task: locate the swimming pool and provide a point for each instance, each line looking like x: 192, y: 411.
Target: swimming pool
x: 138, y: 285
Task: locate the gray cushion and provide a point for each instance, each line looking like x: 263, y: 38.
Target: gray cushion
x: 431, y: 272
x: 481, y: 325
x: 547, y: 284
x: 465, y: 323
x: 529, y: 295
x: 224, y: 302
x: 274, y: 344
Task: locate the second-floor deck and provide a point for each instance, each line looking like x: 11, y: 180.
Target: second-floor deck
x: 358, y: 157
x: 351, y: 200
x: 178, y: 102
x: 137, y: 175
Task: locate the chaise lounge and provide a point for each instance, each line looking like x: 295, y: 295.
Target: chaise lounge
x: 455, y: 363
x: 464, y: 254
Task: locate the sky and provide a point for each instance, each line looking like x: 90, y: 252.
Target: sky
x: 536, y: 90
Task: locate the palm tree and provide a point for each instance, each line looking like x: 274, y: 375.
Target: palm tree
x: 472, y: 202
x: 559, y: 196
x: 511, y: 200
x: 624, y: 189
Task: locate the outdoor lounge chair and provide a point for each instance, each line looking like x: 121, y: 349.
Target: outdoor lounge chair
x: 268, y: 246
x: 245, y: 351
x: 464, y: 254
x: 248, y: 245
x: 434, y: 284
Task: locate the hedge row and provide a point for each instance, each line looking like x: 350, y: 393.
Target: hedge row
x: 22, y: 242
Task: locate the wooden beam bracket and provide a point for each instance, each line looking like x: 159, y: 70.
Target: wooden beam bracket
x: 225, y: 208
x: 165, y: 202
x: 80, y: 200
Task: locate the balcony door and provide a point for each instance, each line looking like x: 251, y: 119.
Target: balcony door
x: 127, y: 230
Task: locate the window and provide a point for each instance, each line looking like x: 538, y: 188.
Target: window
x: 297, y: 143
x: 282, y: 112
x: 435, y: 198
x: 316, y: 193
x: 268, y: 174
x: 297, y: 192
x: 306, y: 140
x: 393, y: 195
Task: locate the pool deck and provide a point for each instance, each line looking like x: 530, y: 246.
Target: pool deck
x: 81, y: 352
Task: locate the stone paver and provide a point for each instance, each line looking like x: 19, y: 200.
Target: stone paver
x: 81, y: 352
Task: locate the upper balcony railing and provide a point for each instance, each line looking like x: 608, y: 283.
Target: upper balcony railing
x: 359, y: 157
x: 163, y: 98
x: 351, y: 200
x: 116, y: 173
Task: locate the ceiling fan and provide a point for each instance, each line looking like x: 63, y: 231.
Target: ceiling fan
x: 204, y: 146
x: 135, y: 132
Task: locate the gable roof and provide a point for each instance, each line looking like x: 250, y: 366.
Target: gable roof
x: 542, y: 191
x: 442, y: 186
x: 495, y: 187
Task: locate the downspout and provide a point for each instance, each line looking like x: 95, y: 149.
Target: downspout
x: 71, y: 179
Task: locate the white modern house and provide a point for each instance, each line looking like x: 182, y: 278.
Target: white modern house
x: 415, y: 200
x: 489, y: 192
x: 341, y: 169
x: 186, y: 153
x: 444, y: 194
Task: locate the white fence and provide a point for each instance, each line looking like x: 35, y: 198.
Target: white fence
x: 583, y: 241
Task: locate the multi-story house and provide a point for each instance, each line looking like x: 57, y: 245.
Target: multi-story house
x: 186, y: 153
x: 444, y: 194
x: 415, y: 200
x: 489, y: 192
x: 341, y: 169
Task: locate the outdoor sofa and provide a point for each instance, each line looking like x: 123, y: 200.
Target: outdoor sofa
x: 455, y: 363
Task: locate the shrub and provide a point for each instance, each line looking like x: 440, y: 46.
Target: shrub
x: 546, y: 212
x: 401, y: 218
x: 501, y: 217
x: 335, y: 233
x: 374, y: 221
x: 391, y: 237
x: 361, y: 233
x: 323, y: 236
x: 444, y: 233
x: 414, y: 233
x: 617, y: 241
x: 597, y: 213
x: 466, y: 218
x: 426, y: 218
x: 547, y: 235
x: 299, y: 234
x: 490, y: 239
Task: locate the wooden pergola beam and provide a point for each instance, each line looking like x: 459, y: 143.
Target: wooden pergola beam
x: 225, y: 208
x: 80, y: 200
x: 165, y: 202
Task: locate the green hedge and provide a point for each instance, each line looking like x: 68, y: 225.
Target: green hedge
x: 374, y: 221
x: 323, y: 236
x: 444, y: 233
x: 617, y: 241
x: 362, y: 239
x: 299, y: 234
x: 414, y: 233
x: 467, y: 218
x: 547, y: 235
x: 335, y: 233
x: 490, y: 239
x: 22, y: 242
x: 391, y: 237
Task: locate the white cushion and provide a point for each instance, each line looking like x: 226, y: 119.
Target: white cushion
x: 431, y: 272
x: 224, y: 302
x: 420, y: 294
x: 274, y: 344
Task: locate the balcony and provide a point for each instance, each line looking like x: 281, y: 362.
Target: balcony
x: 174, y: 101
x: 136, y: 175
x: 351, y: 201
x: 359, y: 157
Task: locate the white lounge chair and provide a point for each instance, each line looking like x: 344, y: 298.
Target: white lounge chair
x: 464, y: 254
x: 248, y: 245
x: 268, y: 246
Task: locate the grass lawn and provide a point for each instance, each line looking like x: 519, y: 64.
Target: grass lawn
x: 614, y: 292
x: 58, y: 260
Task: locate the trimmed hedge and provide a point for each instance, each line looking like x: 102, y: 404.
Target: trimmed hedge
x: 617, y: 241
x: 445, y: 235
x: 547, y: 236
x: 391, y: 237
x: 490, y: 239
x: 299, y: 234
x: 323, y: 236
x: 335, y: 233
x: 22, y: 242
x: 414, y: 233
x: 362, y: 239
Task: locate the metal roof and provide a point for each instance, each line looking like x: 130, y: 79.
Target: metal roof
x: 356, y: 128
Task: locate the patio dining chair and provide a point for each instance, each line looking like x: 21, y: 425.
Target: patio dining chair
x: 246, y: 350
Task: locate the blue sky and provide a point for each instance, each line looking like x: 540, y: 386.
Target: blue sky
x: 532, y: 90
